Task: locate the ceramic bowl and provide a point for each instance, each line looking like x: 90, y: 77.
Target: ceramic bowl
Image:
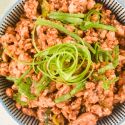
x: 10, y: 18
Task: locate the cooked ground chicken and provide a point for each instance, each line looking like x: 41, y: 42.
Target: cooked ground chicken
x: 88, y: 105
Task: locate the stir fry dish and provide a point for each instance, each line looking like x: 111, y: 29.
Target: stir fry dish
x: 66, y: 59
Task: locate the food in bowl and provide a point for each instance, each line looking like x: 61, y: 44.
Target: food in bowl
x: 66, y: 59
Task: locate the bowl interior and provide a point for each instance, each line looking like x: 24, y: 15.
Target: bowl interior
x: 10, y: 18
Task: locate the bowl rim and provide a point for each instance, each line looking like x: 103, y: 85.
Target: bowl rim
x: 9, y: 113
x: 7, y: 11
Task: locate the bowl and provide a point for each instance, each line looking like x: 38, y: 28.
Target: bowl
x: 10, y: 18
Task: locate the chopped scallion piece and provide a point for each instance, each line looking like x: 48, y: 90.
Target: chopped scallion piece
x: 105, y: 68
x: 88, y: 25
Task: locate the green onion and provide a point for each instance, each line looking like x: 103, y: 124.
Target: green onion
x: 33, y: 39
x: 17, y: 98
x: 102, y: 55
x: 67, y: 96
x: 107, y: 82
x: 105, y: 68
x: 17, y: 81
x: 24, y: 89
x: 63, y: 98
x: 116, y: 56
x: 62, y: 62
x: 78, y: 15
x: 66, y: 18
x: 72, y: 20
x: 55, y: 120
x: 43, y: 22
x: 88, y: 25
x: 90, y: 13
x: 23, y: 84
x: 41, y: 85
x: 47, y: 115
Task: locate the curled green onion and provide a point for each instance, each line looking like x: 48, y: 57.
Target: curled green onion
x: 67, y: 18
x: 102, y: 55
x: 90, y: 13
x: 63, y: 62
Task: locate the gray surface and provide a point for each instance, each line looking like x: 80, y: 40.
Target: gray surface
x: 122, y: 2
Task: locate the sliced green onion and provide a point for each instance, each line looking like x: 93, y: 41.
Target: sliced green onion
x: 78, y: 15
x: 61, y: 62
x: 90, y: 13
x: 63, y: 98
x: 88, y: 25
x: 17, y: 81
x: 24, y: 89
x: 43, y: 22
x: 107, y: 83
x: 41, y: 85
x: 33, y: 39
x: 105, y: 68
x: 102, y: 55
x: 78, y: 88
x: 69, y: 95
x: 66, y: 18
x: 17, y: 98
x: 116, y: 56
x: 23, y: 84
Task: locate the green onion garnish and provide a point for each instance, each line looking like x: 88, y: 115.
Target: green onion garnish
x: 67, y: 18
x: 88, y: 25
x: 105, y: 68
x: 107, y: 82
x: 62, y: 62
x: 43, y: 22
x: 67, y: 96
